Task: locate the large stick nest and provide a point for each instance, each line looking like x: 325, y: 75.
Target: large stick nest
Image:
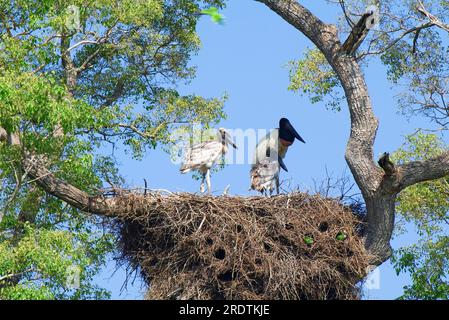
x: 284, y: 247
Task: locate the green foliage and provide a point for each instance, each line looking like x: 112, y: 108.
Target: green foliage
x: 215, y: 16
x: 427, y: 263
x: 42, y: 257
x: 75, y: 77
x: 314, y: 77
x: 426, y: 205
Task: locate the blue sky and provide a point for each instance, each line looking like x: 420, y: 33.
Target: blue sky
x: 246, y: 58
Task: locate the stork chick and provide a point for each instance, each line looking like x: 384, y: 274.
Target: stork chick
x: 201, y: 157
x: 265, y: 176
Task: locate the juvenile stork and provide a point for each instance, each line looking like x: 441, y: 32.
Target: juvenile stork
x: 269, y: 155
x: 265, y: 176
x: 201, y: 157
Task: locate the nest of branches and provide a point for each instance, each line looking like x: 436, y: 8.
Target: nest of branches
x: 294, y: 246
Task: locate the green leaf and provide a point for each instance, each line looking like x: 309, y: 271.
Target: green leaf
x: 216, y: 17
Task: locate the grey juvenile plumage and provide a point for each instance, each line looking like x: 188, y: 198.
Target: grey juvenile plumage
x: 265, y: 176
x: 201, y: 157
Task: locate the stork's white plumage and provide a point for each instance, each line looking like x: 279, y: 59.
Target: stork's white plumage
x: 269, y: 146
x: 201, y: 157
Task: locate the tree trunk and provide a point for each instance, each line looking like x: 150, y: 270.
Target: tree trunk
x: 380, y: 224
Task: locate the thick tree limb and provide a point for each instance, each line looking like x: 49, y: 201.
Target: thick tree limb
x: 420, y: 171
x: 321, y: 34
x: 65, y: 191
x: 35, y: 168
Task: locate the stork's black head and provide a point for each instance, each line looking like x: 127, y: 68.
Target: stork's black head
x: 287, y: 132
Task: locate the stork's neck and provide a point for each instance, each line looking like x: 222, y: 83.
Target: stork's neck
x: 282, y: 150
x: 224, y: 148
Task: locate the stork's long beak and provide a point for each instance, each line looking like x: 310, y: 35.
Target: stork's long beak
x: 282, y: 164
x: 295, y: 133
x: 229, y: 140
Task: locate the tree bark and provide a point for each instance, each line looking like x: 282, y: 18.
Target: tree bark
x: 67, y: 192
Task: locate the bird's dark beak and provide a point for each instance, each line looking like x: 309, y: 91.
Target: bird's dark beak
x: 295, y: 133
x: 282, y: 164
x: 229, y: 140
x: 288, y: 132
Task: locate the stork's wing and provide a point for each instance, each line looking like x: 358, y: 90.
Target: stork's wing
x: 203, y: 154
x: 264, y: 174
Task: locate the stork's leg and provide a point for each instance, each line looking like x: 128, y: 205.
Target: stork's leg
x: 203, y: 176
x: 208, y: 181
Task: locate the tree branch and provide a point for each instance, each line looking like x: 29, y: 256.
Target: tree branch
x: 35, y: 168
x: 345, y: 13
x: 324, y: 36
x: 434, y: 20
x: 10, y: 278
x: 420, y: 171
x: 65, y: 191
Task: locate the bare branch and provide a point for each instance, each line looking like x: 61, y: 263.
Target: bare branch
x: 82, y: 42
x: 416, y: 29
x: 145, y: 135
x: 433, y: 19
x: 99, y: 42
x: 10, y: 277
x: 357, y: 35
x: 345, y: 13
